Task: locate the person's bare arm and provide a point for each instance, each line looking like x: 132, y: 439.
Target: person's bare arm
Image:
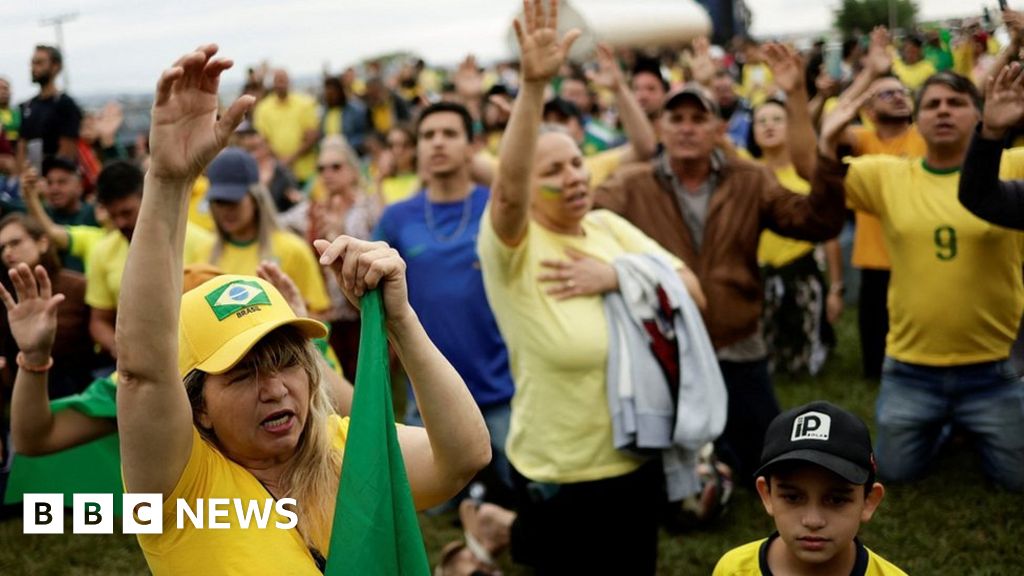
x: 643, y: 142
x: 834, y: 302
x: 36, y: 430
x: 154, y: 414
x: 1015, y: 26
x: 542, y: 54
x: 454, y: 444
x: 877, y: 64
x: 788, y: 70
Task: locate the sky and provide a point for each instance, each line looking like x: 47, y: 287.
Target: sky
x: 114, y: 46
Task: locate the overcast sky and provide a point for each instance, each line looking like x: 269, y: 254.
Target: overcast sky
x: 114, y: 45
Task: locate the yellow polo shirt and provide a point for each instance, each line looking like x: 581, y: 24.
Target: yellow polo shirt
x: 284, y: 124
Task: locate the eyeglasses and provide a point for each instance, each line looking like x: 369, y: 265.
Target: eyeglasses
x: 891, y: 94
x: 336, y: 166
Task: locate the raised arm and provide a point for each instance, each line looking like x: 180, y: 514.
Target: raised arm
x: 33, y: 320
x: 1015, y: 26
x: 34, y: 205
x: 442, y: 457
x: 877, y: 64
x: 788, y: 70
x: 981, y: 191
x: 643, y: 143
x: 154, y: 414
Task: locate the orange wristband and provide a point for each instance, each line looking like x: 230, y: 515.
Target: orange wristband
x: 20, y: 359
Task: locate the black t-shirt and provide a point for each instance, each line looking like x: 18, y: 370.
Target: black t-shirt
x: 49, y: 119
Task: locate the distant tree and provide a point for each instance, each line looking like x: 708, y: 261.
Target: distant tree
x: 860, y: 16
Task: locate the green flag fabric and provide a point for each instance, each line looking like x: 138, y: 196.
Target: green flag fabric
x: 375, y: 531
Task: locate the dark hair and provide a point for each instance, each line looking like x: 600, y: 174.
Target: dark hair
x: 849, y: 45
x: 650, y: 66
x: 791, y: 466
x: 335, y: 82
x: 53, y: 52
x: 118, y: 179
x: 954, y: 82
x: 752, y: 145
x: 438, y: 107
x: 49, y: 259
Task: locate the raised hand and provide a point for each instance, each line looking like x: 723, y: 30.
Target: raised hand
x: 468, y: 81
x: 272, y: 273
x: 787, y: 66
x: 33, y: 317
x: 701, y: 65
x: 30, y: 182
x: 185, y: 133
x: 1004, y: 104
x: 108, y: 122
x: 541, y: 52
x: 609, y: 76
x: 832, y: 125
x: 361, y: 266
x: 878, y: 61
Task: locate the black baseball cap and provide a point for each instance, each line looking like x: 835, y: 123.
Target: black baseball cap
x: 820, y: 433
x: 231, y: 175
x: 693, y: 92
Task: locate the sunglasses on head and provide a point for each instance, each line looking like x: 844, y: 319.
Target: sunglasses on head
x: 321, y: 168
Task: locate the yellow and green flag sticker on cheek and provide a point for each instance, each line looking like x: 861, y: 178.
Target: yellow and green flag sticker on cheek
x: 237, y: 295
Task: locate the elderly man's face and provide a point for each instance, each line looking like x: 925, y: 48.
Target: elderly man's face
x: 689, y: 131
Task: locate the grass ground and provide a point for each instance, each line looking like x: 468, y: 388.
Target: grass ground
x: 952, y: 523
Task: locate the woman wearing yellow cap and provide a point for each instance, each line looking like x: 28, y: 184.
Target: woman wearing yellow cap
x: 253, y: 419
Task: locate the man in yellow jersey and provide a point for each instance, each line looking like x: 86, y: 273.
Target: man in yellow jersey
x: 288, y: 121
x: 119, y: 191
x: 955, y: 298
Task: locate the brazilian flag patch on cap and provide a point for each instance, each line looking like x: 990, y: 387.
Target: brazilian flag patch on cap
x: 237, y: 295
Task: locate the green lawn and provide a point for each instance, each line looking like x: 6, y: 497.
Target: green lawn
x: 952, y: 523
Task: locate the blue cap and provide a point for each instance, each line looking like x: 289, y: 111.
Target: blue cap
x: 231, y: 175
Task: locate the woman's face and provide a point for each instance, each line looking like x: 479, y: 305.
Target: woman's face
x: 237, y: 219
x: 18, y: 247
x: 258, y: 418
x: 770, y: 126
x: 561, y: 196
x: 335, y: 172
x: 403, y: 149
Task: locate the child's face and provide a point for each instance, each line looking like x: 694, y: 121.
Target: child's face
x: 817, y: 513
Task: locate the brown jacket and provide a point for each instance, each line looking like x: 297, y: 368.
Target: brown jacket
x: 747, y: 200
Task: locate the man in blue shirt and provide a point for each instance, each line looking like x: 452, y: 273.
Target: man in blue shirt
x: 435, y: 232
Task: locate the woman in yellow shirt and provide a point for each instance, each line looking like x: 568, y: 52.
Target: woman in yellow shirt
x: 247, y: 230
x: 798, y: 309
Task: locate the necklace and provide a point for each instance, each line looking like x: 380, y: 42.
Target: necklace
x: 428, y: 213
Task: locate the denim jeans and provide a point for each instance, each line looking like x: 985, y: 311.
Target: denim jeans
x: 917, y: 403
x: 497, y: 418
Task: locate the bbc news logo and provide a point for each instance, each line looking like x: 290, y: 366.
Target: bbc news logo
x: 144, y: 513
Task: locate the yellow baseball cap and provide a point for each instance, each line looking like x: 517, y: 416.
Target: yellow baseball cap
x: 224, y: 317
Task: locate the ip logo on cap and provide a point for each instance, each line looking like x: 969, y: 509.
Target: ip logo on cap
x: 811, y: 426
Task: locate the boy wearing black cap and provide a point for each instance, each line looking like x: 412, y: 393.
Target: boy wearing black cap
x: 817, y: 480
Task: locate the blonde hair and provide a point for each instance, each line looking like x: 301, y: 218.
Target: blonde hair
x: 266, y: 225
x: 311, y: 477
x: 337, y: 143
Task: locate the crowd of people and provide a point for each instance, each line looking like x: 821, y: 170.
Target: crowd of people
x: 590, y: 271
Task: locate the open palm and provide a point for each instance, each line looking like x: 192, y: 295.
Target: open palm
x: 185, y: 133
x: 541, y: 52
x: 1004, y: 105
x: 33, y: 317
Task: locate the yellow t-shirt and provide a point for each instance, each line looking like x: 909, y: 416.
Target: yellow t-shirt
x: 235, y: 550
x: 956, y: 292
x: 913, y: 75
x: 284, y: 124
x: 82, y: 240
x: 561, y: 429
x: 757, y: 78
x: 777, y: 251
x: 291, y: 253
x: 383, y: 118
x: 868, y: 244
x: 398, y: 188
x: 746, y: 561
x: 105, y: 266
x: 332, y: 122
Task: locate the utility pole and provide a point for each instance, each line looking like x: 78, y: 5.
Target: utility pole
x: 58, y: 24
